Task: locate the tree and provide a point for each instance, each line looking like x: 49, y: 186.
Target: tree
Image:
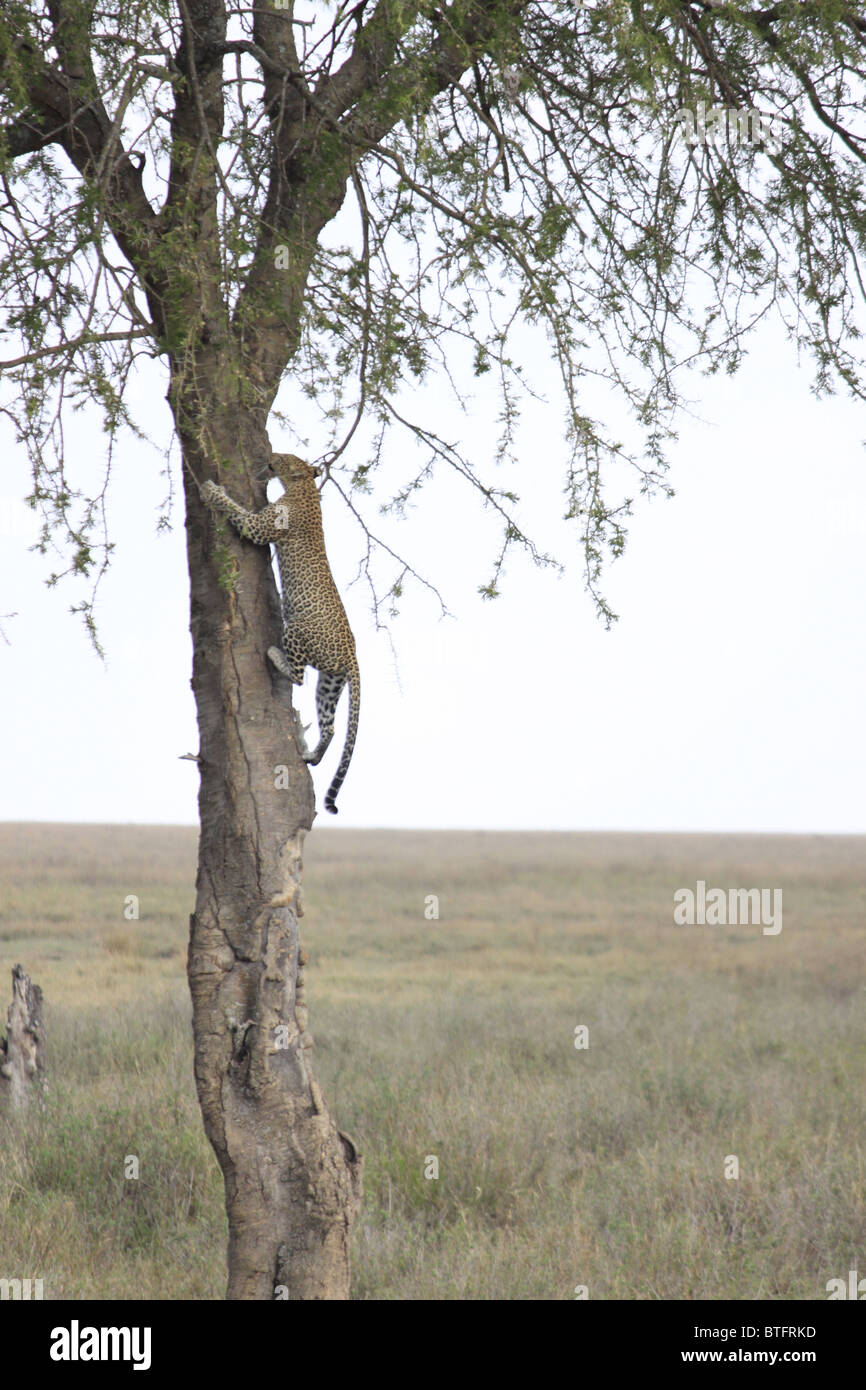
x: 341, y: 202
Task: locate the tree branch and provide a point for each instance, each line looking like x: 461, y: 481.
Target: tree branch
x: 65, y: 113
x: 56, y: 348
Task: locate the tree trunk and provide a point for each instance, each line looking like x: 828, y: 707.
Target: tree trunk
x: 22, y: 1051
x: 292, y: 1180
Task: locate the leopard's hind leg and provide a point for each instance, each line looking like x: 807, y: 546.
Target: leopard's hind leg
x: 328, y: 692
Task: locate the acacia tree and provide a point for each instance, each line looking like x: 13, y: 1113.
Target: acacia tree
x: 340, y: 202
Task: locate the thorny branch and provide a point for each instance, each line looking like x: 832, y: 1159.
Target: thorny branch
x: 511, y: 162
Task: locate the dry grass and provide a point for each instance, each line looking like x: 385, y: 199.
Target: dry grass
x: 454, y: 1038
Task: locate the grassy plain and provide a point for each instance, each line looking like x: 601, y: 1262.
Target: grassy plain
x: 558, y: 1167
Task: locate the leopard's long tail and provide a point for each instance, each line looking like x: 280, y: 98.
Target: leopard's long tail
x: 348, y: 747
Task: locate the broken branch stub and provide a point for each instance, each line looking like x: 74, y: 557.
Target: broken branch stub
x: 22, y: 1051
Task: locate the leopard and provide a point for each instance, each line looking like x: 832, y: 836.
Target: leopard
x: 316, y: 631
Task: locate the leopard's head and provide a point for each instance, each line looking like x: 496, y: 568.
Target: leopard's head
x: 290, y: 469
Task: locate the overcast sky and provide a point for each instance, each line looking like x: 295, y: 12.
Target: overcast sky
x: 729, y: 696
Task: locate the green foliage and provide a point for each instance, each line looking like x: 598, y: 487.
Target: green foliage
x: 498, y: 165
x: 226, y: 566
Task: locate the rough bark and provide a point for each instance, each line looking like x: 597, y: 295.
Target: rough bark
x: 22, y: 1051
x: 292, y: 1181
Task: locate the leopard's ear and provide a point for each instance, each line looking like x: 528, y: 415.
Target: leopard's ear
x: 316, y: 470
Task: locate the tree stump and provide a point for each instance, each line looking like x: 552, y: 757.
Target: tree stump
x: 22, y: 1051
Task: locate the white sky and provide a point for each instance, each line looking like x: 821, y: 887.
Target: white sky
x: 730, y: 695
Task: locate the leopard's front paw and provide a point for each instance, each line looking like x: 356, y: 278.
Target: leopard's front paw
x: 208, y: 492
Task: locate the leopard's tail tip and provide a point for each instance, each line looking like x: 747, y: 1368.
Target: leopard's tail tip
x: 331, y: 805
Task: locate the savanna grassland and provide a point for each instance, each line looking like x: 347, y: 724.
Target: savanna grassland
x: 558, y: 1167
